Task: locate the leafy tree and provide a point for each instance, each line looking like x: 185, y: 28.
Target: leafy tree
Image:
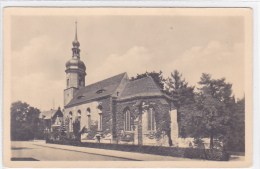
x: 24, y: 121
x: 209, y: 116
x: 157, y: 77
x: 182, y: 94
x: 76, y: 129
x: 235, y: 137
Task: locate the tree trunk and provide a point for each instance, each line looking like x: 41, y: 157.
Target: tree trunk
x: 211, y: 140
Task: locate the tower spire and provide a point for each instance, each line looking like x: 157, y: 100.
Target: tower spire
x: 75, y: 43
x: 76, y: 35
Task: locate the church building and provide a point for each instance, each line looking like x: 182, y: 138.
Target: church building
x: 118, y: 110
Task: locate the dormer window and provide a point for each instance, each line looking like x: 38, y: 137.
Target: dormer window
x: 80, y: 97
x: 100, y: 91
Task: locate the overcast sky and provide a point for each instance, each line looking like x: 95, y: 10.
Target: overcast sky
x: 110, y: 45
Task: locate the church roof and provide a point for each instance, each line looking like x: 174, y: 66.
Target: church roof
x: 97, y: 90
x: 143, y: 87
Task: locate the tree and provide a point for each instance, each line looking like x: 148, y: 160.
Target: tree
x: 235, y: 137
x: 209, y: 115
x: 76, y: 129
x: 24, y: 121
x: 182, y: 94
x: 179, y: 90
x: 157, y: 77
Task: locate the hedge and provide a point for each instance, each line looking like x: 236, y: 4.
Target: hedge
x: 195, y: 153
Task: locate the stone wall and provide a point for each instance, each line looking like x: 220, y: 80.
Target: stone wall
x: 139, y: 133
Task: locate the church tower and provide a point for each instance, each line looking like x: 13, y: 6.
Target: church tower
x: 75, y: 71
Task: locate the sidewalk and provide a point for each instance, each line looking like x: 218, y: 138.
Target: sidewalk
x: 114, y: 153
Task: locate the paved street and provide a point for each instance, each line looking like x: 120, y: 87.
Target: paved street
x: 40, y: 151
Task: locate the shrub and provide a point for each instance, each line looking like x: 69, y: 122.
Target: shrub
x: 214, y: 154
x: 195, y: 153
x: 218, y: 155
x: 207, y: 154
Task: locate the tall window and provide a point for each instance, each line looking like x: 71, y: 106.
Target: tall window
x: 68, y: 82
x: 79, y: 116
x: 151, y: 119
x: 127, y: 121
x: 89, y: 118
x: 100, y: 121
x: 70, y: 121
x: 100, y: 117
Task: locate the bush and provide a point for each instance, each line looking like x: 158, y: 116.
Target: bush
x: 207, y: 154
x: 217, y: 155
x: 195, y: 153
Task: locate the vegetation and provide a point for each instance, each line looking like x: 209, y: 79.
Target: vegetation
x: 25, y: 122
x: 211, y: 112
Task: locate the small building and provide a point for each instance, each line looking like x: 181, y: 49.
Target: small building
x: 51, y: 119
x: 117, y: 110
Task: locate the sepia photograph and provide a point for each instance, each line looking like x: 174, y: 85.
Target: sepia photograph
x: 128, y: 87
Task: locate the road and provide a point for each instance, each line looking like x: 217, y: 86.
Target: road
x: 39, y: 151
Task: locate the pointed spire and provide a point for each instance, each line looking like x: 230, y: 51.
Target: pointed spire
x: 75, y: 43
x: 76, y: 36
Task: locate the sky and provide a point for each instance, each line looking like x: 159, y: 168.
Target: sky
x: 110, y: 45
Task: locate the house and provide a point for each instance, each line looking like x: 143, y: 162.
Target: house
x: 117, y: 110
x: 51, y: 119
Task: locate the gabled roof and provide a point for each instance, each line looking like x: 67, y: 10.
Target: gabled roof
x: 47, y: 114
x: 143, y: 87
x: 97, y: 90
x: 58, y: 113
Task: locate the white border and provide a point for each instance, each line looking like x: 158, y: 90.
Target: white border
x: 254, y: 4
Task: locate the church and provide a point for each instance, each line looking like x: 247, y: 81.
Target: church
x: 118, y: 110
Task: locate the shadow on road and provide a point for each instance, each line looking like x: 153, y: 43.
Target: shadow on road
x: 23, y: 159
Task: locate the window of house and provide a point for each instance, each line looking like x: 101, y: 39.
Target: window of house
x: 151, y: 119
x: 89, y: 121
x: 100, y: 108
x: 100, y: 91
x: 70, y: 121
x: 88, y: 118
x: 88, y: 110
x: 80, y: 82
x: 100, y: 121
x: 127, y: 120
x: 79, y: 114
x: 68, y: 82
x: 80, y: 97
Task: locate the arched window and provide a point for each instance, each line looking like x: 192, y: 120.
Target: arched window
x: 89, y: 118
x: 151, y: 119
x: 79, y: 115
x: 127, y: 120
x: 68, y: 82
x: 88, y: 110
